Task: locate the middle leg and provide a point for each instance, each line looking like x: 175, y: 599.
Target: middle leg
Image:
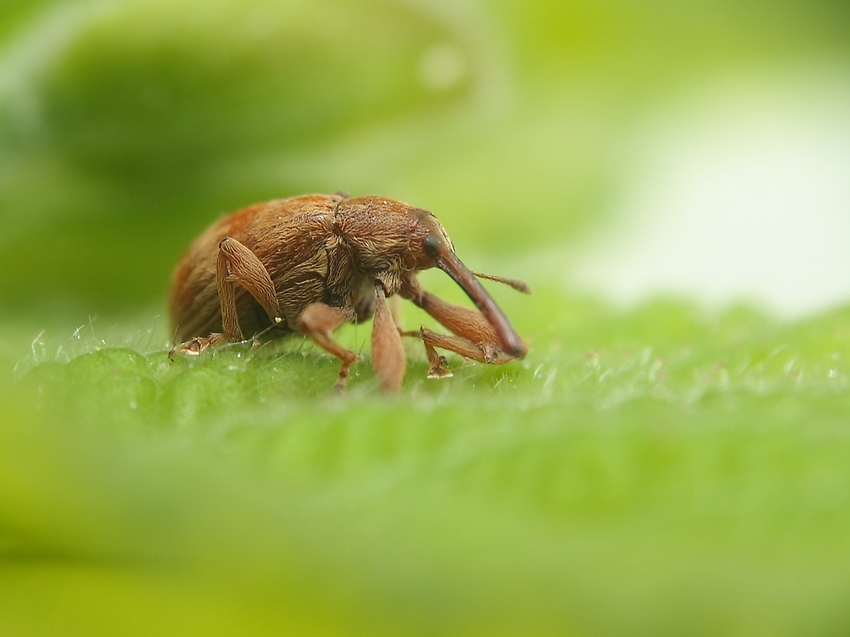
x: 318, y: 321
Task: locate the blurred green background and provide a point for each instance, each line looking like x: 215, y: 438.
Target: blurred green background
x: 125, y: 127
x: 657, y: 470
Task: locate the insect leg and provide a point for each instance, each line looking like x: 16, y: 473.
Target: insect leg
x: 235, y: 264
x: 318, y: 321
x: 388, y: 357
x: 474, y: 336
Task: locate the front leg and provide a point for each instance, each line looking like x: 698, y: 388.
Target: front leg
x: 474, y: 337
x: 235, y: 264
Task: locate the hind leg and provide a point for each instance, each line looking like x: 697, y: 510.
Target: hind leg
x: 235, y: 265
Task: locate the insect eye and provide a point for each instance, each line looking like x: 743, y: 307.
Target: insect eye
x: 431, y: 245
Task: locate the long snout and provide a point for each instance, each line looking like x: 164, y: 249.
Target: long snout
x: 448, y: 262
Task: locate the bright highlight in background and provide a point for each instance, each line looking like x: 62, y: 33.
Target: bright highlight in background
x: 740, y: 194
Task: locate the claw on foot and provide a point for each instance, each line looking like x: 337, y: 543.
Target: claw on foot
x: 438, y: 370
x: 196, y: 345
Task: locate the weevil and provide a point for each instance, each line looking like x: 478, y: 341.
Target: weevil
x: 312, y: 263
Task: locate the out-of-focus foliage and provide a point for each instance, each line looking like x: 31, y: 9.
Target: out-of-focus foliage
x: 125, y: 127
x: 653, y: 472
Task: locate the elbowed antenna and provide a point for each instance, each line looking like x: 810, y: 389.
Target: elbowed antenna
x: 448, y: 262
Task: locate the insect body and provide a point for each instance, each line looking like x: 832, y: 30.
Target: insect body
x: 311, y: 263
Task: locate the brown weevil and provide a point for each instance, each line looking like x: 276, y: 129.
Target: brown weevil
x: 311, y: 263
